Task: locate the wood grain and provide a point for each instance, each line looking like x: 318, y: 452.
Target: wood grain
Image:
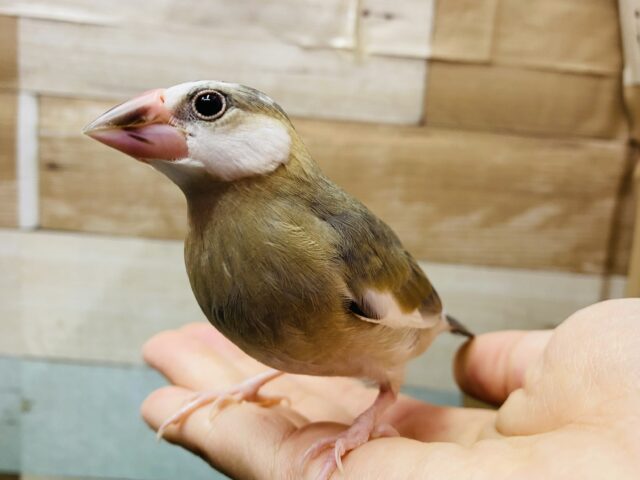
x: 8, y: 171
x: 8, y: 52
x: 463, y: 30
x: 311, y: 23
x: 96, y: 298
x: 565, y: 35
x: 506, y: 99
x: 8, y: 121
x: 451, y: 196
x: 631, y: 47
x: 116, y: 62
x: 399, y: 28
x: 633, y: 287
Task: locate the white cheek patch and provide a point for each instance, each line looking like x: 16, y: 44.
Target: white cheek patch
x: 256, y: 145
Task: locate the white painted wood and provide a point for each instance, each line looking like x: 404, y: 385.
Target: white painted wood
x: 115, y: 62
x: 630, y: 29
x: 399, y: 28
x: 308, y: 23
x: 99, y: 298
x: 27, y: 160
x: 84, y: 297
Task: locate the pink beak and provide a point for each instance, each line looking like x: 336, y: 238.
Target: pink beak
x: 141, y: 127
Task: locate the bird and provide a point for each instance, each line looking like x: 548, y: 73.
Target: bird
x: 296, y: 272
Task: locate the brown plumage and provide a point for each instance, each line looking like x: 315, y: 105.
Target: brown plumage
x: 288, y: 266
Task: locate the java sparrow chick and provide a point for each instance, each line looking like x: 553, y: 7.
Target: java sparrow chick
x: 288, y: 266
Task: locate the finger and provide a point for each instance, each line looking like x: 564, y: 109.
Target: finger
x: 241, y: 440
x: 191, y: 357
x: 188, y: 362
x: 246, y: 441
x: 493, y: 365
x: 212, y: 339
x: 318, y: 385
x: 431, y: 423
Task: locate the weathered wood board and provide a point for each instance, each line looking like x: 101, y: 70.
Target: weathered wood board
x: 400, y: 28
x: 453, y: 197
x: 8, y: 170
x: 8, y: 122
x: 544, y: 34
x: 633, y: 288
x: 538, y: 102
x: 99, y: 298
x: 8, y: 52
x: 564, y: 35
x: 464, y: 30
x: 83, y: 60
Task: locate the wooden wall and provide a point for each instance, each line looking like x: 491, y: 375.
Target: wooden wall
x: 490, y: 134
x: 505, y: 144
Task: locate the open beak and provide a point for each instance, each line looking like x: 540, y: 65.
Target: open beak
x: 141, y: 127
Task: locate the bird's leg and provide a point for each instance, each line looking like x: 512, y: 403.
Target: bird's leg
x: 246, y: 391
x: 364, y: 428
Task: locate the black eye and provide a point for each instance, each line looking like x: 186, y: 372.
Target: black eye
x: 209, y: 105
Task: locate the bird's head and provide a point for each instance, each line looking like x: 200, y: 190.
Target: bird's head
x: 220, y: 130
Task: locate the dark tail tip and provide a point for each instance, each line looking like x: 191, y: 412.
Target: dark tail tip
x: 458, y: 328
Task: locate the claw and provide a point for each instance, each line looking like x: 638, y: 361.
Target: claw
x: 246, y: 391
x: 364, y: 428
x: 338, y: 452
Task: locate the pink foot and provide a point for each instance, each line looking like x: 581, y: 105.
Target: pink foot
x: 247, y: 391
x: 363, y: 429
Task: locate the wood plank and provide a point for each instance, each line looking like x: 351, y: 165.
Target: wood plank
x: 399, y: 28
x: 94, y: 298
x: 507, y: 99
x: 633, y: 288
x: 624, y: 219
x: 97, y: 298
x: 564, y: 35
x: 115, y: 62
x: 8, y: 121
x: 632, y: 105
x: 453, y: 197
x: 8, y: 171
x: 8, y: 52
x: 307, y: 23
x: 631, y: 48
x: 464, y: 29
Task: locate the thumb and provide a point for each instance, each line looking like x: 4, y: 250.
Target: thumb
x: 492, y: 365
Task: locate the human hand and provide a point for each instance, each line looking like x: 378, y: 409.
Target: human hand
x: 570, y: 407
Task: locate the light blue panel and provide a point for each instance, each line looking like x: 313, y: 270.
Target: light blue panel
x: 84, y: 421
x: 437, y: 397
x: 10, y: 404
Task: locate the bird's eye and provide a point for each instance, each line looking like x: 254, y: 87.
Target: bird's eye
x: 209, y: 105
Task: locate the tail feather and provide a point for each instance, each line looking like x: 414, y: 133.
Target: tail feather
x: 457, y: 327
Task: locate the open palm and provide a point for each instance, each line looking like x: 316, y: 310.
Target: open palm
x: 570, y: 407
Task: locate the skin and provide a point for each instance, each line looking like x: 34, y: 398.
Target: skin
x: 569, y: 407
